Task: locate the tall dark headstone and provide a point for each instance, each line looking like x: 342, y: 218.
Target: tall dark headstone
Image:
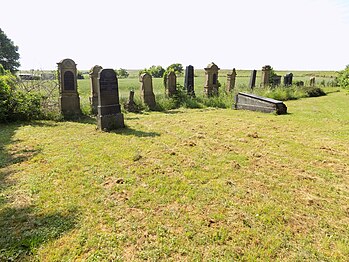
x: 288, y: 78
x: 252, y: 83
x: 69, y: 100
x: 109, y: 112
x: 189, y: 80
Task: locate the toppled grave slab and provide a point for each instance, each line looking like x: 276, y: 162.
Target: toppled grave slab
x: 259, y: 103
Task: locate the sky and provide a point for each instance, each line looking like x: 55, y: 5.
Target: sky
x: 136, y: 34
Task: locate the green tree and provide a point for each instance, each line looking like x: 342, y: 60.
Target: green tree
x: 9, y: 55
x: 157, y: 71
x: 177, y: 68
x: 343, y: 77
x: 122, y: 73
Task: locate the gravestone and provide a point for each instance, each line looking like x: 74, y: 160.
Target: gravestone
x: 171, y: 84
x: 69, y: 100
x: 231, y: 81
x: 211, y: 80
x: 131, y: 106
x: 276, y: 80
x: 94, y: 88
x: 288, y: 78
x: 300, y: 83
x: 252, y: 83
x: 109, y: 112
x: 189, y: 80
x: 147, y: 93
x: 266, y: 71
x: 312, y: 81
x: 259, y: 103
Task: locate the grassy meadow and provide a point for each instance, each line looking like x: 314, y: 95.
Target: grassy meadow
x: 183, y: 185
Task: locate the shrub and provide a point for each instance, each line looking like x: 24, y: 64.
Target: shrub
x: 343, y: 77
x: 16, y: 104
x: 314, y: 91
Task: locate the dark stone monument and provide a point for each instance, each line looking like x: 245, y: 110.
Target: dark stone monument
x: 252, y: 83
x: 69, y: 100
x: 276, y: 80
x: 109, y: 112
x: 147, y: 93
x: 171, y: 83
x: 189, y: 80
x: 299, y: 83
x: 259, y: 103
x: 266, y: 71
x: 94, y: 88
x: 288, y: 78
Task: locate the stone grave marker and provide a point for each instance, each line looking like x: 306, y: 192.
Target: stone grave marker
x: 131, y: 106
x: 266, y: 71
x: 109, y: 112
x: 171, y: 84
x: 288, y: 78
x: 276, y: 80
x: 252, y: 83
x: 312, y: 81
x: 94, y: 88
x: 69, y: 100
x: 259, y: 103
x: 231, y: 81
x: 147, y: 93
x: 189, y: 80
x: 211, y: 80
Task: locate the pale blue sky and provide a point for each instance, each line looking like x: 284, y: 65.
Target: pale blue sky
x: 133, y: 34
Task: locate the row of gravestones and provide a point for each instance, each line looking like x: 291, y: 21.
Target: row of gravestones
x: 105, y: 92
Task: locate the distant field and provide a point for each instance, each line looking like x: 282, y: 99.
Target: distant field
x: 185, y: 185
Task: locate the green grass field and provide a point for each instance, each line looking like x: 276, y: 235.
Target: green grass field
x: 184, y: 185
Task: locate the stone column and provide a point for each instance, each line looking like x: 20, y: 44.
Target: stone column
x: 252, y: 83
x: 189, y: 80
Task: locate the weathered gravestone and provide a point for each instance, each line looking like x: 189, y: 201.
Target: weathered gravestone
x: 189, y: 80
x: 109, y: 112
x: 266, y: 71
x: 259, y: 103
x: 94, y: 88
x: 312, y: 81
x: 147, y: 93
x: 252, y: 83
x: 69, y: 100
x: 288, y: 78
x: 231, y: 81
x: 171, y: 84
x: 131, y: 106
x: 211, y: 80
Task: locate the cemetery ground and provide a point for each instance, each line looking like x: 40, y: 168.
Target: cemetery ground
x: 183, y: 185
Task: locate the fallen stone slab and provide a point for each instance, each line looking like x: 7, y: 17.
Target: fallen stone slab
x: 258, y: 103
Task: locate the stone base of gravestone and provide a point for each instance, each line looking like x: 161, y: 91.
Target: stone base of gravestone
x: 259, y: 103
x: 149, y: 100
x: 70, y: 105
x: 94, y: 104
x: 110, y: 122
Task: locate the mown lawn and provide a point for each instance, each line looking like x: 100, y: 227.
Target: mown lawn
x: 186, y: 185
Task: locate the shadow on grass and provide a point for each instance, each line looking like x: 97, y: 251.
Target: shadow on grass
x: 132, y: 132
x: 22, y: 229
